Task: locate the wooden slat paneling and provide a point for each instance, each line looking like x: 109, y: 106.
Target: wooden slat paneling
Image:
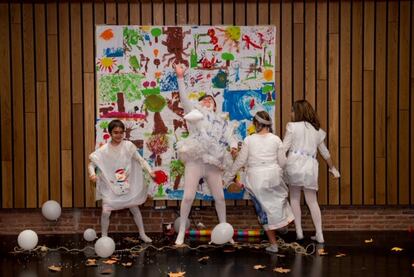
x: 392, y: 104
x: 29, y: 107
x: 349, y: 59
x: 89, y: 93
x: 286, y: 62
x: 345, y: 103
x: 310, y: 52
x: 275, y: 20
x: 369, y: 103
x: 42, y: 142
x: 18, y: 106
x: 321, y: 88
x: 65, y: 105
x: 333, y: 95
x: 357, y: 74
x: 298, y: 51
x: 404, y: 104
x: 53, y: 102
x: 380, y: 102
x: 6, y: 110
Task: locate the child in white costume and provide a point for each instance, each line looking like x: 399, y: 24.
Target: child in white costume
x: 119, y: 177
x: 204, y: 151
x: 264, y: 182
x: 302, y: 140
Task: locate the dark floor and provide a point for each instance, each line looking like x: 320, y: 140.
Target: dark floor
x: 362, y: 259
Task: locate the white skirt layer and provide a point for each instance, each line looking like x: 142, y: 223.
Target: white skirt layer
x: 269, y: 189
x: 302, y: 170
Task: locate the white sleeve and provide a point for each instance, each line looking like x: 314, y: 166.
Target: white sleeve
x: 91, y: 168
x: 287, y: 143
x: 185, y: 102
x: 324, y: 151
x: 238, y: 163
x: 144, y: 164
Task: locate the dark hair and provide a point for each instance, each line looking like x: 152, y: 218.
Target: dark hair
x: 115, y: 123
x: 258, y: 125
x: 304, y: 112
x: 201, y: 98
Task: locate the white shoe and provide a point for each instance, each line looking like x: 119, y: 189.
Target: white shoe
x: 145, y: 238
x: 272, y: 248
x: 318, y: 238
x: 180, y: 239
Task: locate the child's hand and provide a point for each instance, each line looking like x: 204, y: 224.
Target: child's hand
x: 334, y: 172
x: 240, y: 185
x: 234, y: 151
x: 152, y: 174
x: 179, y: 70
x: 93, y: 178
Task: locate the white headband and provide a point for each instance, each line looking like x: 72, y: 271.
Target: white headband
x: 263, y: 121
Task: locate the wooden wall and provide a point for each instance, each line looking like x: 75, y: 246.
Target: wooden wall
x: 351, y: 59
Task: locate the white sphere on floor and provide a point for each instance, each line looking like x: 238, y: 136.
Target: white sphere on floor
x: 89, y: 234
x: 222, y: 233
x: 27, y: 239
x: 104, y: 247
x: 177, y: 224
x: 51, y: 210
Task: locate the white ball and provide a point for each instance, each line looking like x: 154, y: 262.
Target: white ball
x: 177, y: 224
x: 27, y: 239
x: 89, y: 234
x: 222, y: 233
x: 51, y: 210
x: 104, y: 247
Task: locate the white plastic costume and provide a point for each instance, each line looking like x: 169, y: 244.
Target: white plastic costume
x: 120, y: 182
x: 302, y: 141
x: 264, y: 178
x: 205, y: 154
x: 119, y: 190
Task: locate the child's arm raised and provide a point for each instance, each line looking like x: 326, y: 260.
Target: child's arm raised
x: 185, y: 102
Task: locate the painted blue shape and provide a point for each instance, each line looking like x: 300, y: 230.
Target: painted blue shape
x: 243, y: 104
x: 114, y: 52
x: 241, y: 131
x: 169, y: 81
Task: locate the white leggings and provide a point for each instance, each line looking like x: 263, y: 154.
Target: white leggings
x: 312, y: 202
x: 193, y: 173
x: 137, y: 218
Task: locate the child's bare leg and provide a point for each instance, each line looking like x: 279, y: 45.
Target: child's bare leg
x: 271, y: 234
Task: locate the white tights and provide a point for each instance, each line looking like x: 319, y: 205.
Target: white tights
x: 136, y: 213
x: 312, y: 202
x: 193, y: 173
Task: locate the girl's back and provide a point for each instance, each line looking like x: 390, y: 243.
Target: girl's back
x: 305, y: 137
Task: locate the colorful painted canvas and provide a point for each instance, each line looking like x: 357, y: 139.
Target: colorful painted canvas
x: 137, y: 84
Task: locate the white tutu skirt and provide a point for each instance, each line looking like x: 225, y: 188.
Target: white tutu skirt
x: 207, y: 151
x: 302, y: 171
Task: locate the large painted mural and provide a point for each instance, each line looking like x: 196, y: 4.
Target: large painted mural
x: 137, y: 84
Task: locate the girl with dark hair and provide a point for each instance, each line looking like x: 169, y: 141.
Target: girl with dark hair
x: 302, y: 140
x: 204, y: 151
x: 119, y: 178
x: 264, y: 183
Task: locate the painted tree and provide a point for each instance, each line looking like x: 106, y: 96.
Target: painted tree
x: 128, y: 84
x: 158, y: 141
